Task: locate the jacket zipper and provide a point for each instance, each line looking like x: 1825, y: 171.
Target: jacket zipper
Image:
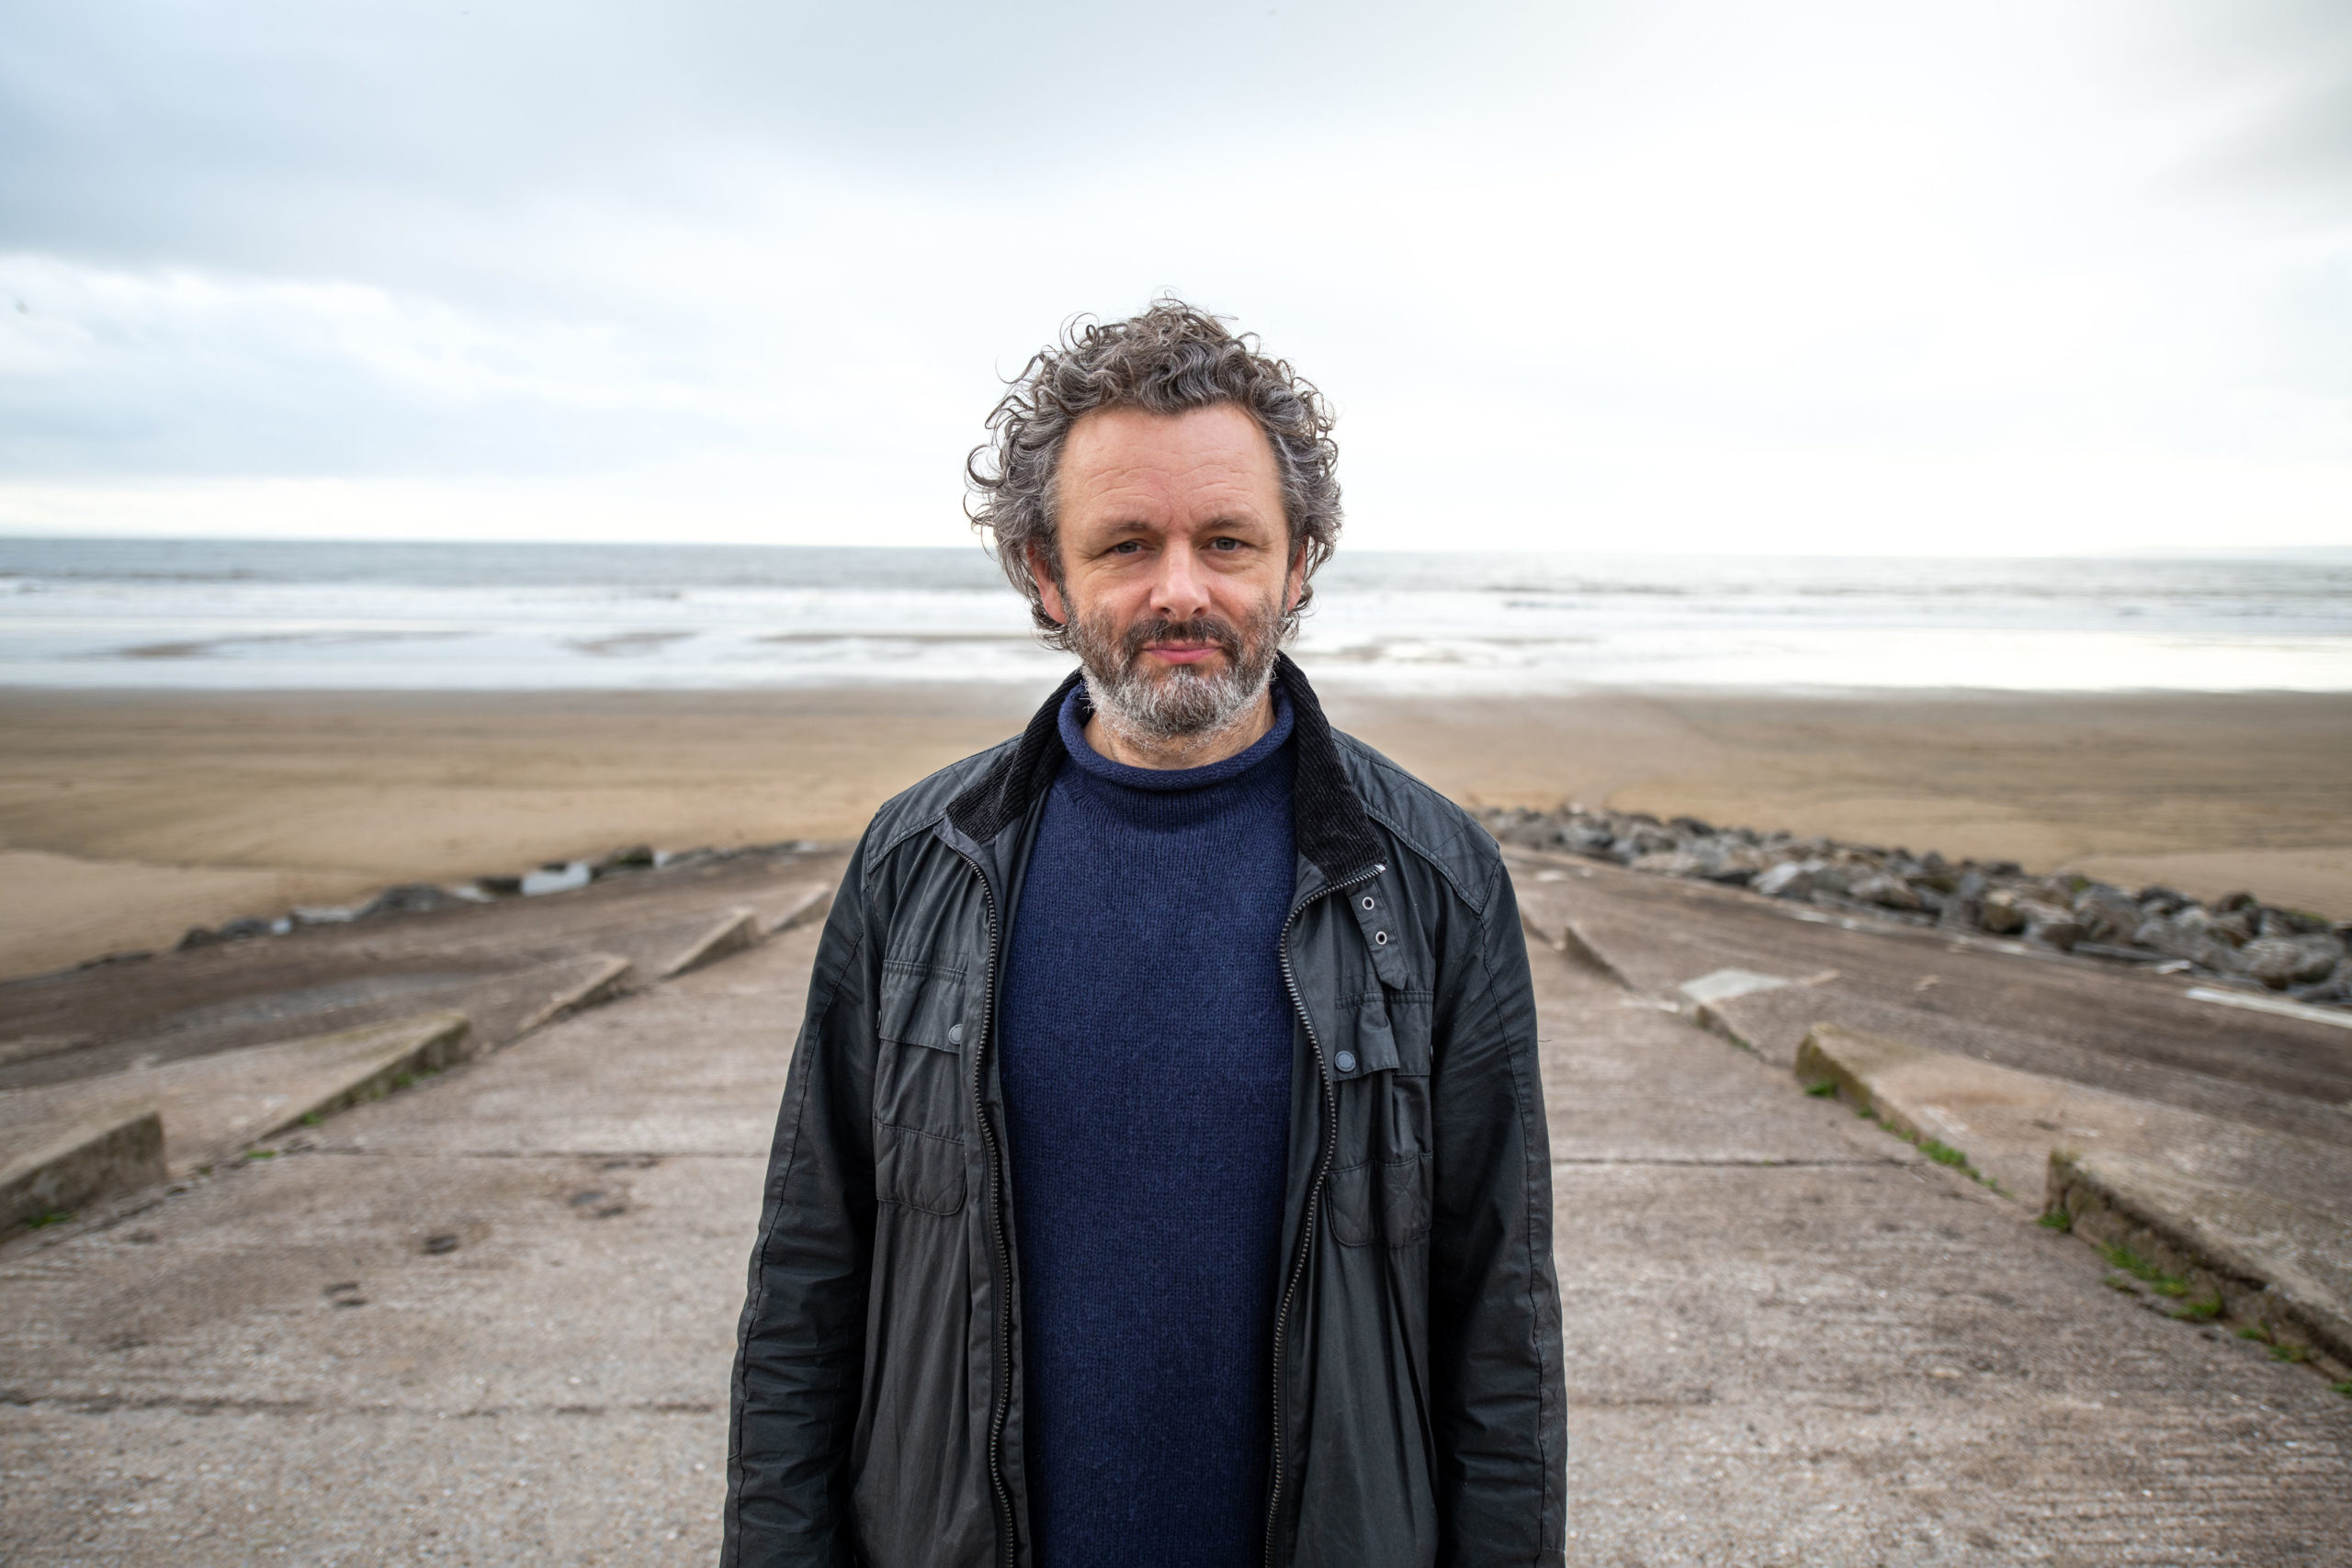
x: 1314, y: 1195
x: 994, y: 1201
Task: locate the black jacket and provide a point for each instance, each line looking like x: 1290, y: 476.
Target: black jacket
x: 1417, y: 1387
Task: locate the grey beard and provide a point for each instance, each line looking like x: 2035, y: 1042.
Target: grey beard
x: 1181, y: 703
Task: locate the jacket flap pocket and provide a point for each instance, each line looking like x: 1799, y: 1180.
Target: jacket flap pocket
x: 1383, y: 1201
x: 1375, y: 1043
x: 921, y: 1006
x: 1409, y: 1023
x: 1386, y: 1032
x: 918, y: 1170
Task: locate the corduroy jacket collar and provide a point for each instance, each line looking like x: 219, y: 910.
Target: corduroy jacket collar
x: 1328, y: 819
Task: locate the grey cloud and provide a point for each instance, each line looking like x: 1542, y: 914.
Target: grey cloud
x: 268, y: 135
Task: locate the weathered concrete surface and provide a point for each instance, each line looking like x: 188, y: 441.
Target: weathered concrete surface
x: 276, y: 1365
x: 2123, y: 1029
x: 2279, y: 1267
x: 490, y: 961
x: 215, y: 1105
x: 2008, y: 1122
x: 730, y: 933
x: 72, y: 1160
x: 1790, y: 1338
x: 2255, y: 1221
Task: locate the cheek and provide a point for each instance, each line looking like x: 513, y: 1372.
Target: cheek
x: 1112, y: 596
x: 1243, y: 595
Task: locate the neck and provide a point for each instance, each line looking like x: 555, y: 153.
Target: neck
x: 1230, y: 740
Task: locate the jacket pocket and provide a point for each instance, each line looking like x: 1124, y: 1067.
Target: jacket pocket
x: 919, y: 1088
x: 918, y: 1170
x: 1383, y: 1201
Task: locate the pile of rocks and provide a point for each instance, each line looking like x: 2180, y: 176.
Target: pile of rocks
x: 2236, y: 939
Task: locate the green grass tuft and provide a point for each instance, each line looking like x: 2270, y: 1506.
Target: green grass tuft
x: 1943, y: 1154
x: 261, y: 1154
x: 2253, y: 1331
x: 2199, y: 1312
x: 1823, y: 1090
x: 2056, y: 1220
x: 2344, y: 1388
x: 2291, y: 1352
x: 48, y: 1217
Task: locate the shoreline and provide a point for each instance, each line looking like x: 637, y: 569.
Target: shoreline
x: 127, y: 816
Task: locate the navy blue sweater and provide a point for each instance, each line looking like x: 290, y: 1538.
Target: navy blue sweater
x: 1146, y: 1048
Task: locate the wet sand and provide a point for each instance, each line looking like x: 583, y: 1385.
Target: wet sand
x: 126, y: 817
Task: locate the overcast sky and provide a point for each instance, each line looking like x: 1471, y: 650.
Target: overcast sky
x: 1994, y: 277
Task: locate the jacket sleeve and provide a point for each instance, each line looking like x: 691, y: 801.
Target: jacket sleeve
x: 802, y: 1345
x: 1495, y: 1368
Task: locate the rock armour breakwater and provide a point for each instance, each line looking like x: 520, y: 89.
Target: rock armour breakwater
x: 2236, y: 940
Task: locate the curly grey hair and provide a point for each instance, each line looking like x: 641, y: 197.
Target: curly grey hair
x: 1170, y: 359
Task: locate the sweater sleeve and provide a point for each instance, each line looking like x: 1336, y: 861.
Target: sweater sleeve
x: 1495, y: 1353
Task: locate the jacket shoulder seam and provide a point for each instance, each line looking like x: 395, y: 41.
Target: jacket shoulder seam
x: 923, y: 807
x: 1446, y: 865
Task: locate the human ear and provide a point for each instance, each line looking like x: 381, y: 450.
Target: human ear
x: 1048, y: 593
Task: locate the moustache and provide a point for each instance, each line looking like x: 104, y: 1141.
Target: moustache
x: 1219, y: 634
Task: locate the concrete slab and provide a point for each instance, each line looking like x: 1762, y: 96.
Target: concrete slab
x: 1790, y: 1340
x: 325, y: 978
x: 1870, y: 1365
x: 214, y: 1106
x: 2129, y: 1031
x: 2277, y: 1007
x: 547, y: 992
x: 309, y: 1283
x: 1627, y: 1081
x: 2282, y: 1267
x: 289, y: 1360
x: 2250, y: 1223
x: 2009, y: 1122
x: 695, y: 1067
x: 65, y: 1166
x: 793, y: 906
x: 733, y: 932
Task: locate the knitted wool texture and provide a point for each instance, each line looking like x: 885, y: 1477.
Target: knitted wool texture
x: 1145, y: 1032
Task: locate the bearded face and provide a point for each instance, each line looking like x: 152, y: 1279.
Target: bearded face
x: 1151, y: 701
x: 1171, y: 575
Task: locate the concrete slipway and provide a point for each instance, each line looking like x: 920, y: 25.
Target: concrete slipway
x: 488, y: 1318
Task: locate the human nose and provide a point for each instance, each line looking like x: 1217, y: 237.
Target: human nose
x: 1180, y: 592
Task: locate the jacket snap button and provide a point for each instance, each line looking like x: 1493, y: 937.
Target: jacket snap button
x: 955, y: 1035
x: 1381, y: 938
x: 1345, y: 1061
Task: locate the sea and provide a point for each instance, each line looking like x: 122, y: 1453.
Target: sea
x: 257, y: 614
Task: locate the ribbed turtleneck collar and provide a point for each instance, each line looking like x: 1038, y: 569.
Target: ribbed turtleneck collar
x: 1076, y: 709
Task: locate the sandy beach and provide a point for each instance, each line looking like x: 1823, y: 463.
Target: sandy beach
x: 126, y: 817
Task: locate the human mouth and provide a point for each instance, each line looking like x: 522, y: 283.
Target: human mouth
x: 1180, y: 652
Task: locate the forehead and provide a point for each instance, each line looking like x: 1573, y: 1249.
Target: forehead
x: 1130, y: 465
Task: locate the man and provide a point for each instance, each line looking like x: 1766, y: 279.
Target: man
x: 1161, y: 1176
